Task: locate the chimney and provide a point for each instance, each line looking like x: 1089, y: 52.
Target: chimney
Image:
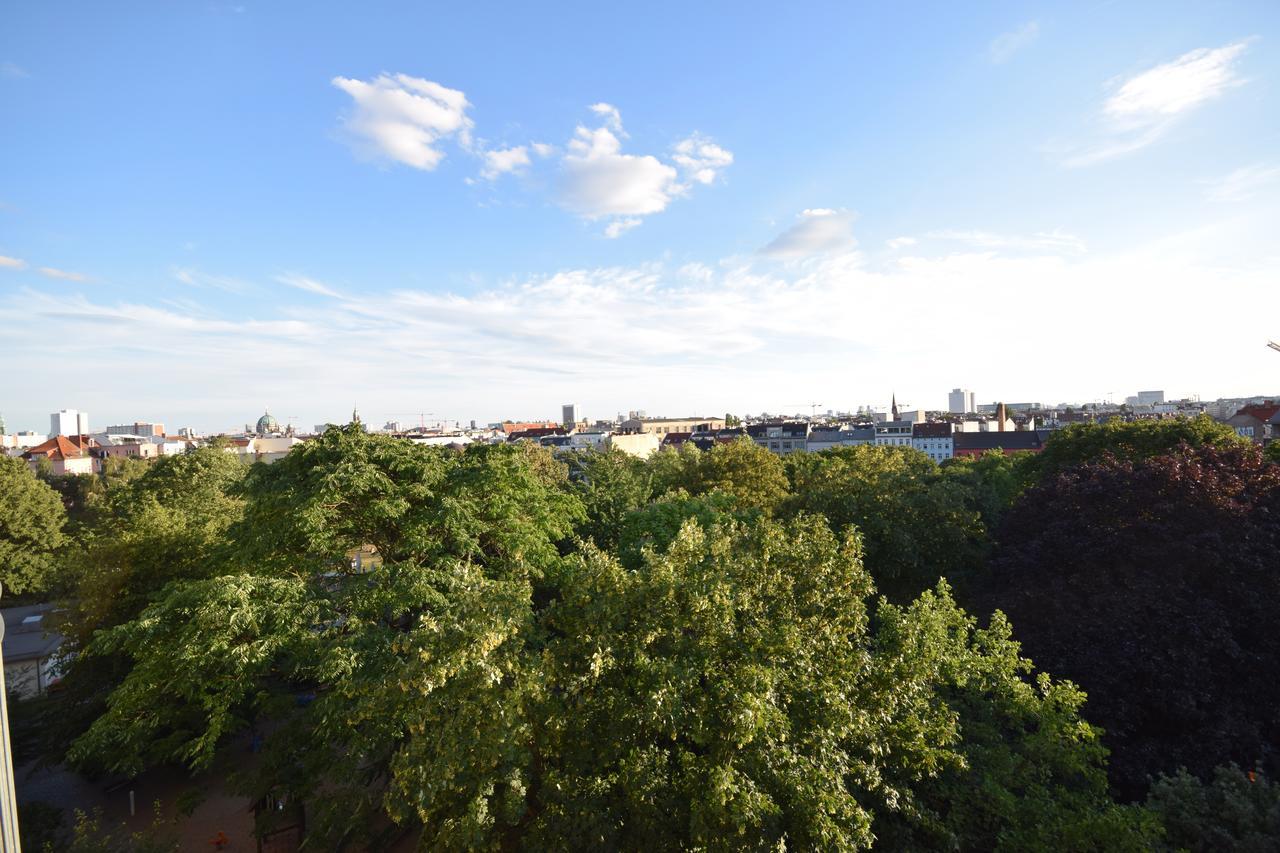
x: 1000, y: 416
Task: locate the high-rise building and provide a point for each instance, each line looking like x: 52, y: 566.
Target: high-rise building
x: 960, y: 402
x: 569, y: 415
x: 69, y: 422
x: 1150, y: 398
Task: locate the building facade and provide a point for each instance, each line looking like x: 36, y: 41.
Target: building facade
x: 934, y: 440
x: 960, y: 402
x: 69, y: 422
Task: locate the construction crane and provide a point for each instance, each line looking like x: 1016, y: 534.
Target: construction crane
x: 813, y: 408
x: 421, y: 416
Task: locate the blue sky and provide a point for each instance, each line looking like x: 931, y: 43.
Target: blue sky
x: 208, y: 209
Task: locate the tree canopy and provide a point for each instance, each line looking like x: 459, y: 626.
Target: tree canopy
x: 32, y: 518
x: 1153, y: 584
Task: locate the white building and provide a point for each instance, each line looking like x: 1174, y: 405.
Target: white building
x: 1150, y: 398
x: 960, y: 402
x: 933, y: 440
x: 69, y: 422
x: 894, y: 433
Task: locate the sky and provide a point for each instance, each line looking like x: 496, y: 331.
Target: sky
x: 483, y: 211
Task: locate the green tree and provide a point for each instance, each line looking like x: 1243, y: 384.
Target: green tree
x: 991, y: 482
x: 917, y: 524
x: 31, y: 528
x: 1128, y: 440
x: 745, y: 471
x: 1236, y: 812
x: 611, y: 484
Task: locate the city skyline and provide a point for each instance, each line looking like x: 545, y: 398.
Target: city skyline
x: 1049, y: 203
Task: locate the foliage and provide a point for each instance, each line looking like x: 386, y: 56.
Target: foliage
x: 916, y: 523
x: 1127, y: 440
x: 89, y: 836
x: 1237, y: 812
x: 1272, y: 452
x: 611, y: 484
x: 31, y: 522
x: 39, y: 825
x: 657, y: 525
x: 1154, y: 584
x: 741, y: 469
x: 1033, y: 773
x: 991, y: 482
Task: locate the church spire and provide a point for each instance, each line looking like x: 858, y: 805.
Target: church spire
x: 895, y: 406
x: 355, y: 414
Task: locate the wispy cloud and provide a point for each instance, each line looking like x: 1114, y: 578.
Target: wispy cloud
x: 13, y: 71
x: 1005, y: 45
x: 53, y: 272
x: 819, y: 231
x: 12, y: 263
x: 404, y: 119
x: 1144, y: 107
x: 1041, y: 241
x: 1244, y: 183
x: 310, y: 285
x: 628, y: 336
x: 648, y: 328
x: 196, y: 278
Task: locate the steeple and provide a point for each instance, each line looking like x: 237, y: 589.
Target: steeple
x: 895, y: 406
x: 355, y: 414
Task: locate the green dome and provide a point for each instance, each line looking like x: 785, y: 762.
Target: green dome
x: 267, y: 424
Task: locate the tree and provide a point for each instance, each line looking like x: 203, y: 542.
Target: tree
x: 741, y: 469
x: 31, y: 522
x: 915, y: 523
x: 1132, y: 440
x: 611, y: 484
x: 1153, y: 584
x: 991, y: 482
x: 1237, y: 812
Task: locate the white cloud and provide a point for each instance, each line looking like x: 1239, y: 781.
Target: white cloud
x: 598, y: 181
x: 195, y: 278
x: 901, y: 243
x: 403, y: 118
x: 310, y: 285
x: 618, y: 226
x: 542, y: 149
x: 630, y: 337
x: 1144, y: 107
x: 12, y: 263
x: 1243, y: 183
x: 1177, y: 86
x: 701, y: 160
x: 612, y: 118
x: 13, y: 71
x: 819, y: 231
x: 51, y: 272
x: 1053, y: 241
x: 503, y: 160
x: 1004, y: 46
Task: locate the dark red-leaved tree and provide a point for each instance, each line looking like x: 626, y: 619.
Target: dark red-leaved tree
x: 1155, y: 585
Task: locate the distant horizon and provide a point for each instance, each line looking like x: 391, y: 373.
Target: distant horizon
x: 480, y: 214
x: 374, y: 421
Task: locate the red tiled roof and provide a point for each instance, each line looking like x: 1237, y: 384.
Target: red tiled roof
x: 59, y: 448
x: 1261, y: 411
